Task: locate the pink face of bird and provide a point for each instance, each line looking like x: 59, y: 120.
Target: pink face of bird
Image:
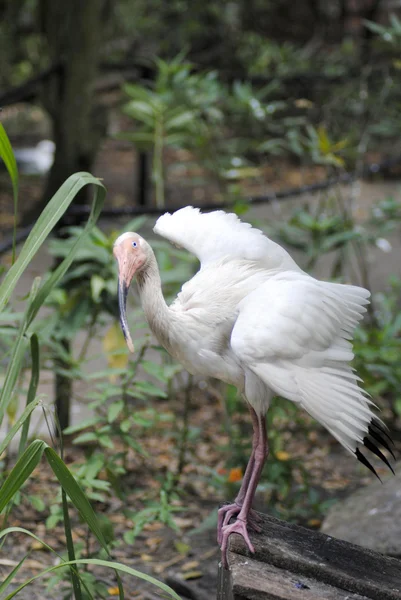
x: 130, y: 251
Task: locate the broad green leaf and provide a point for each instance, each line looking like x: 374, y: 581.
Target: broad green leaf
x: 90, y: 422
x: 22, y: 419
x: 108, y: 564
x: 22, y: 470
x: 179, y: 121
x: 114, y: 410
x: 7, y: 154
x: 138, y: 92
x: 77, y: 496
x: 47, y: 220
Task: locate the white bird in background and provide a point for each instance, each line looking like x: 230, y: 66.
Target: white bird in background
x: 37, y: 160
x: 252, y: 318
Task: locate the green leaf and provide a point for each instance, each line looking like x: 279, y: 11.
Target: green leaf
x: 10, y: 576
x: 37, y: 503
x: 22, y: 470
x: 114, y: 410
x: 90, y: 422
x: 180, y: 120
x: 33, y: 386
x: 20, y: 421
x: 100, y: 563
x: 149, y: 389
x: 47, y: 220
x: 97, y: 287
x: 7, y: 154
x: 84, y: 438
x: 19, y: 347
x: 77, y: 496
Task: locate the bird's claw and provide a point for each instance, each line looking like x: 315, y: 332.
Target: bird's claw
x: 227, y: 512
x: 224, y: 515
x: 239, y: 526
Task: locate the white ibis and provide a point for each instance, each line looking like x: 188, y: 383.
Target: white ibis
x: 37, y: 160
x: 252, y: 318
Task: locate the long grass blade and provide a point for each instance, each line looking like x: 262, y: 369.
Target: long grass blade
x: 4, y: 585
x: 76, y: 494
x: 47, y: 220
x: 7, y: 154
x: 14, y: 529
x: 33, y: 387
x: 10, y: 530
x: 76, y: 586
x: 14, y: 365
x: 108, y: 564
x: 21, y: 471
x: 19, y: 422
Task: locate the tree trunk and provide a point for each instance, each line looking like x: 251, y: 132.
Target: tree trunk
x: 73, y: 31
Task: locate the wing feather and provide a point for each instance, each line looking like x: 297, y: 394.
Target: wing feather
x: 294, y: 333
x: 216, y: 235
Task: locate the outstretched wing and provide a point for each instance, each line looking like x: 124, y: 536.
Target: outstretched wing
x: 217, y: 235
x: 294, y: 333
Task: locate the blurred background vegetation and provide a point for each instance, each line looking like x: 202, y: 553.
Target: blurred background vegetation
x: 231, y: 103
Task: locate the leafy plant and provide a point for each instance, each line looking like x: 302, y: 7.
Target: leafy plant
x: 377, y: 349
x: 29, y: 456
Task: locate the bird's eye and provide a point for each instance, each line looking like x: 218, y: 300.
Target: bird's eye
x: 134, y: 244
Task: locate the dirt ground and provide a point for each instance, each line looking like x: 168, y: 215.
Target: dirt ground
x: 186, y: 561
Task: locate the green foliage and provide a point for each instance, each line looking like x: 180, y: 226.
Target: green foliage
x: 224, y: 129
x: 377, y: 349
x: 24, y: 328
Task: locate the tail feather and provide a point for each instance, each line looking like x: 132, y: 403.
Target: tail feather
x: 335, y: 400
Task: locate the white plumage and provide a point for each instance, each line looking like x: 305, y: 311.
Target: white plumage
x: 253, y: 318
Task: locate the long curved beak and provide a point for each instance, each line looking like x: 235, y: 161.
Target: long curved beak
x: 122, y: 302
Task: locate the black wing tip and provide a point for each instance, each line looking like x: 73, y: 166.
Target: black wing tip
x: 373, y: 448
x: 377, y: 434
x: 366, y: 463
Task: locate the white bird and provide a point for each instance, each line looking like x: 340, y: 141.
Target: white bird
x: 252, y: 318
x: 37, y: 160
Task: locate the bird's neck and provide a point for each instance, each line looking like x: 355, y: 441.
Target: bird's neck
x: 154, y: 306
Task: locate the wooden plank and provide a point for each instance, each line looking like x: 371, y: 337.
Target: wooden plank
x: 308, y: 553
x: 253, y: 580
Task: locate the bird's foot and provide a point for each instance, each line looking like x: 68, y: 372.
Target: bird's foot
x: 224, y: 514
x: 227, y: 512
x: 239, y: 526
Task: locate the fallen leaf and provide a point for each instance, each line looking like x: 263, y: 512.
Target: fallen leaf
x: 314, y: 522
x: 183, y: 523
x: 153, y: 542
x: 113, y: 591
x: 146, y: 557
x: 36, y: 545
x: 192, y: 575
x: 190, y: 566
x: 182, y: 547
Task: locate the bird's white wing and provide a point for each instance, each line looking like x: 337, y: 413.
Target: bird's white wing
x: 214, y: 236
x: 294, y: 333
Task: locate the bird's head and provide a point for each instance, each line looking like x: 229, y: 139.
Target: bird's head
x: 131, y: 252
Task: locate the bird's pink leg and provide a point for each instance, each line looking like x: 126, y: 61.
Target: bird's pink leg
x: 240, y: 525
x: 228, y: 511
